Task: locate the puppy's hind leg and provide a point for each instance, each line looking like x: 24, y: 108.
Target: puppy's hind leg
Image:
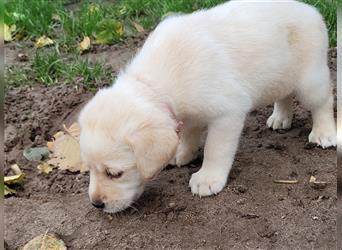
x: 315, y: 93
x: 282, y: 115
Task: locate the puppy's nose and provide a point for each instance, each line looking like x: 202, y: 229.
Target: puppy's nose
x: 98, y: 204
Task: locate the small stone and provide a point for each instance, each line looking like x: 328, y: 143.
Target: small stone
x: 241, y: 201
x: 22, y: 57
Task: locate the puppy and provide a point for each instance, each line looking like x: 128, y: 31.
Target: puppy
x: 204, y: 72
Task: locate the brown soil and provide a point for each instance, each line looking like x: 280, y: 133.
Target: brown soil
x: 252, y: 212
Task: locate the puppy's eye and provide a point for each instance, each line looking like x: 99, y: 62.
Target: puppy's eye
x: 114, y: 175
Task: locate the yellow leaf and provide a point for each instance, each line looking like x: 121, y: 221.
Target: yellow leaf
x: 13, y: 28
x: 56, y: 17
x: 119, y: 29
x: 15, y: 168
x: 74, y: 130
x: 7, y: 33
x: 45, y: 241
x: 85, y: 44
x: 43, y: 41
x: 66, y: 150
x: 49, y: 145
x: 45, y: 168
x: 14, y: 179
x: 8, y: 190
x: 19, y: 36
x: 138, y: 27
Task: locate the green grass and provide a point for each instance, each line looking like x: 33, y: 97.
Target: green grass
x: 50, y: 67
x: 101, y: 21
x: 328, y: 8
x: 32, y: 17
x: 38, y: 17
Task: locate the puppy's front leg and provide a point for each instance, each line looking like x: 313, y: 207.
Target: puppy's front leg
x: 220, y: 147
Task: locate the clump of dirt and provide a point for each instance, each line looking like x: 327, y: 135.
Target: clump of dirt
x: 252, y: 212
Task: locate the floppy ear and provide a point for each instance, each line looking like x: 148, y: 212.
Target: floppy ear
x: 153, y: 149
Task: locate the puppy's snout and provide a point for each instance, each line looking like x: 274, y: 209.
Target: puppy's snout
x: 98, y: 204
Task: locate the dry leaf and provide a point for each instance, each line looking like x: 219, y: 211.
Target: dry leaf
x: 44, y: 168
x: 16, y: 169
x: 43, y: 41
x: 45, y: 242
x: 19, y: 36
x: 56, y: 17
x: 119, y: 29
x: 8, y: 191
x: 66, y: 150
x: 14, y: 179
x: 138, y: 27
x: 8, y: 32
x: 85, y: 44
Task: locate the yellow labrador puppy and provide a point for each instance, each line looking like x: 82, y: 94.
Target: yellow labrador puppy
x: 205, y: 70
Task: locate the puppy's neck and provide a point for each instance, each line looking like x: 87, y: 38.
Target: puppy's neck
x: 154, y: 95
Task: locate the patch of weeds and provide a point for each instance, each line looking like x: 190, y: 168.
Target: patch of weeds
x: 15, y: 77
x: 32, y: 17
x: 93, y: 75
x: 49, y: 67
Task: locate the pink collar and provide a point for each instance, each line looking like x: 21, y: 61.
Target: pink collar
x: 180, y: 124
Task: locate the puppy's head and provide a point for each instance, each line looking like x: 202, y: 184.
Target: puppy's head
x: 125, y: 145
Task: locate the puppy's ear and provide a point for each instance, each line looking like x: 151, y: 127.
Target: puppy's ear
x: 153, y: 149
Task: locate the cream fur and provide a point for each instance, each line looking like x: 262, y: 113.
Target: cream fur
x: 211, y: 68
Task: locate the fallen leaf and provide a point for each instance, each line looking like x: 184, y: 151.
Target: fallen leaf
x: 16, y: 169
x: 8, y: 191
x: 85, y: 44
x: 45, y: 242
x: 44, y: 168
x: 138, y: 27
x: 119, y: 28
x: 74, y: 130
x: 56, y: 17
x: 36, y: 154
x: 8, y: 32
x: 14, y: 179
x: 65, y: 150
x: 312, y: 179
x: 43, y: 41
x: 19, y: 36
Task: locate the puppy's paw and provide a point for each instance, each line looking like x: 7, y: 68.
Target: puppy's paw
x: 184, y: 155
x: 324, y: 138
x: 279, y: 120
x: 204, y: 183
